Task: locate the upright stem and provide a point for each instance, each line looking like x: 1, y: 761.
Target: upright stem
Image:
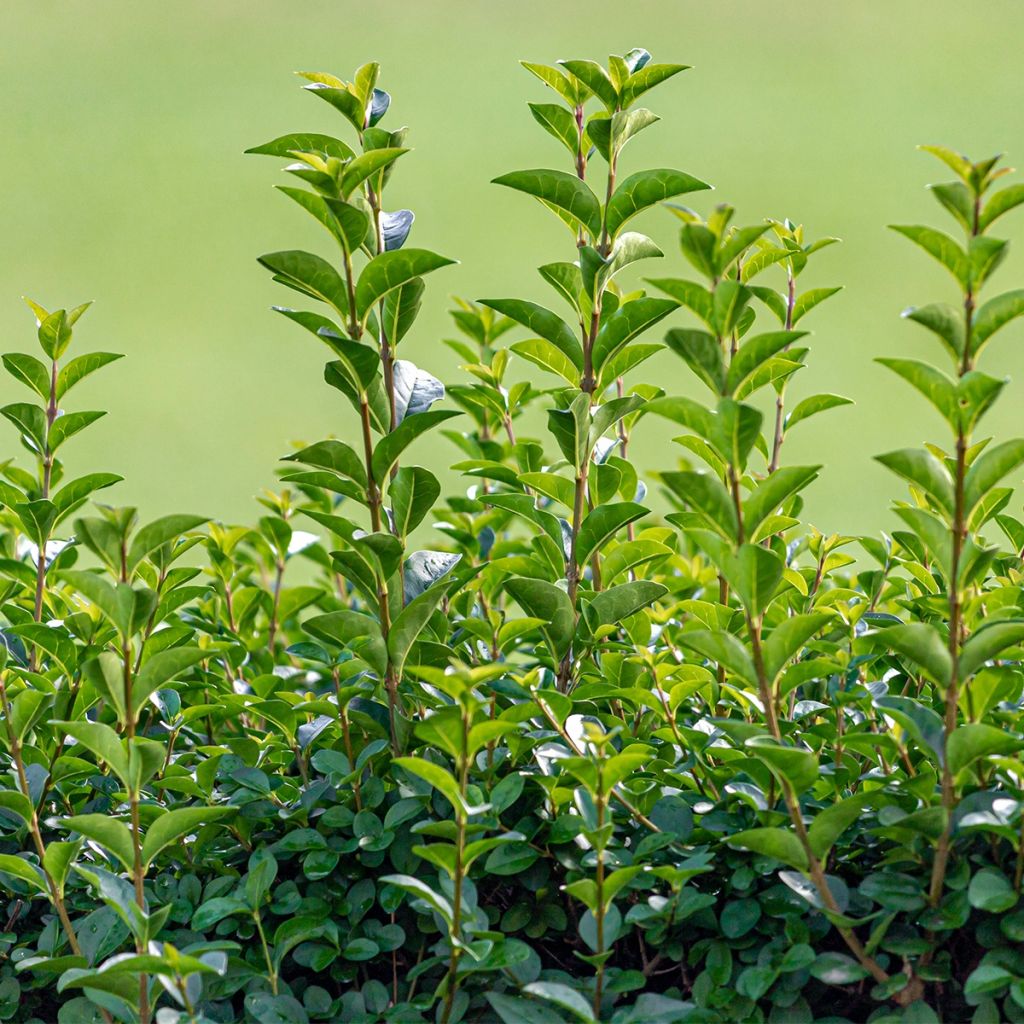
x: 451, y: 986
x: 271, y: 973
x: 278, y: 579
x: 33, y: 824
x: 44, y: 492
x: 814, y: 866
x: 601, y: 807
x: 780, y: 398
x: 956, y: 626
x: 138, y: 873
x: 767, y: 695
x: 375, y: 500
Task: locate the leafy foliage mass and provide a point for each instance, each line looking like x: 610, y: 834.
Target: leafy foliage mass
x: 576, y: 761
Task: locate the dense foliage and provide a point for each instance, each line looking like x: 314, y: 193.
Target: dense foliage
x: 575, y: 761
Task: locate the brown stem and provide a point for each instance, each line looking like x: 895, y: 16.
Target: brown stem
x: 780, y: 398
x: 956, y: 626
x: 814, y: 868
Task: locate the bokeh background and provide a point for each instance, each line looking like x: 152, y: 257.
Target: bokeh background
x: 123, y: 127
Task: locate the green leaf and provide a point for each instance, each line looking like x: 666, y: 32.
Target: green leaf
x: 30, y: 371
x: 828, y: 825
x: 411, y: 621
x: 102, y: 741
x: 729, y: 301
x: 723, y: 648
x: 755, y: 572
x: 690, y: 294
x: 26, y: 709
x: 335, y: 456
x: 354, y: 631
x: 390, y: 447
x: 68, y: 424
x: 702, y: 353
x: 612, y: 132
x: 565, y: 85
x: 563, y: 191
x: 706, y: 494
x: 921, y: 643
x: 174, y: 824
x: 629, y: 321
x: 773, y: 492
x: 440, y: 778
x: 598, y: 271
x: 1001, y: 202
x: 647, y: 78
x: 390, y: 270
x: 923, y: 470
x: 595, y: 78
x: 986, y: 979
x: 992, y: 891
x: 837, y: 969
x: 366, y: 164
x: 543, y: 322
x: 772, y: 842
x: 996, y: 313
x: 976, y: 740
x: 544, y: 601
x: 413, y: 492
x: 25, y: 871
x: 311, y: 275
x: 936, y: 386
x: 75, y: 492
x: 988, y: 469
x: 557, y: 121
x: 305, y: 142
x: 645, y: 189
x: 561, y: 995
x: 419, y: 890
x: 602, y: 524
x: 809, y: 299
x: 111, y: 834
x: 571, y: 429
x: 794, y: 765
x: 921, y: 723
x: 618, y: 603
x: 156, y: 534
x: 943, y: 321
x: 30, y: 420
x: 161, y: 668
x: 987, y: 643
x: 55, y: 333
x: 812, y: 406
x: 338, y: 96
x: 754, y: 353
x: 788, y: 637
x: 57, y: 860
x: 939, y: 246
x: 548, y: 357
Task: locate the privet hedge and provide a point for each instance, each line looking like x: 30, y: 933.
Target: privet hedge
x: 573, y: 760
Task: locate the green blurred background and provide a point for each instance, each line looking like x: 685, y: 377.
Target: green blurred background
x: 123, y: 127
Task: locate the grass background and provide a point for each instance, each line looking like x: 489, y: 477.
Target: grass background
x: 124, y: 182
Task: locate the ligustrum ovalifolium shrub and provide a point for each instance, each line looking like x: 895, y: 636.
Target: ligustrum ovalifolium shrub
x: 607, y: 733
